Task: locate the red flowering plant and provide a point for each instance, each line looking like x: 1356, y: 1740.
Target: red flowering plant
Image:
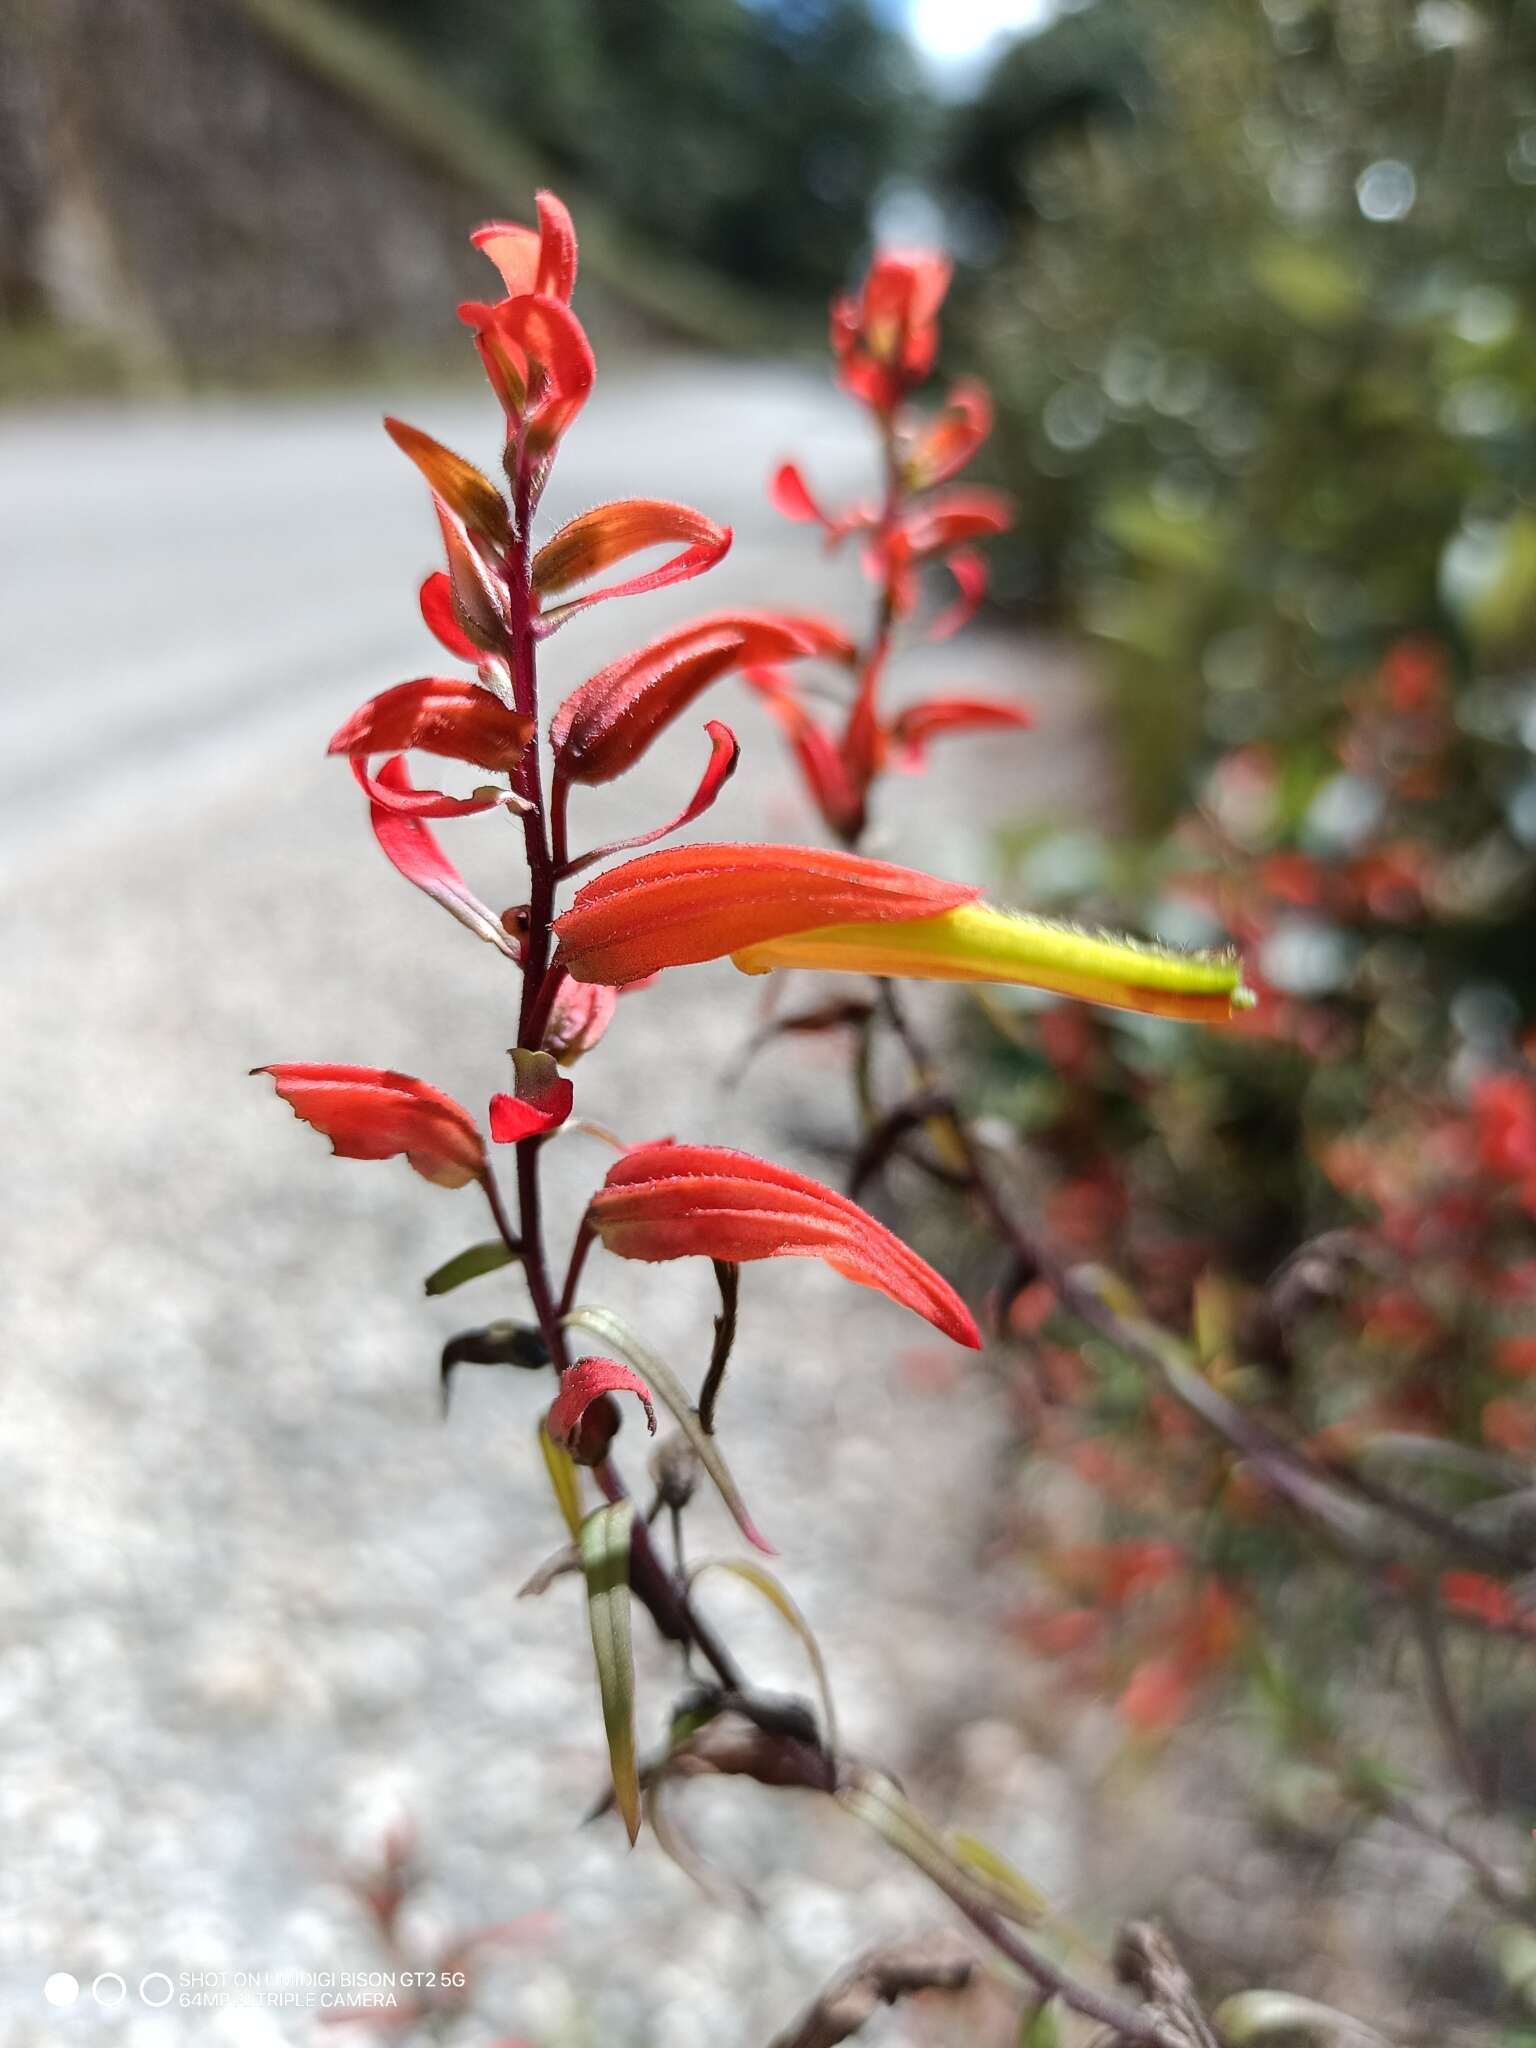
x: 503, y: 593
x: 1231, y: 1374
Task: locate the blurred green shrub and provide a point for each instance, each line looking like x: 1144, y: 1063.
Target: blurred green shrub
x: 749, y: 138
x: 1261, y: 336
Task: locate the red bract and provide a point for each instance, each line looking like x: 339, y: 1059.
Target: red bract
x: 696, y: 903
x: 588, y: 1380
x: 606, y: 724
x: 608, y: 534
x: 372, y: 1113
x: 439, y: 715
x: 886, y: 339
x: 407, y: 843
x: 541, y: 259
x: 582, y: 1012
x: 437, y: 608
x: 471, y: 497
x: 821, y: 762
x: 724, y: 753
x: 539, y: 361
x: 947, y: 443
x: 540, y: 1104
x: 667, y: 1201
x: 914, y: 727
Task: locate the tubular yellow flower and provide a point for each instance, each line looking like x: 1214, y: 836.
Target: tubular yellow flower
x: 975, y: 942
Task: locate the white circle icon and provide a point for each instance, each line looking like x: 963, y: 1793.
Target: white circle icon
x: 156, y: 1988
x: 109, y: 1989
x: 61, y: 1988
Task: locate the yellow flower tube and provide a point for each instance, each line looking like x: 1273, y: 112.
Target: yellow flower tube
x: 975, y: 942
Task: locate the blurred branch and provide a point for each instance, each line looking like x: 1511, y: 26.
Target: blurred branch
x: 938, y: 1961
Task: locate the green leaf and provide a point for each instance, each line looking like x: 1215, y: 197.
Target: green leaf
x: 764, y: 1582
x: 1251, y: 2016
x: 469, y: 1265
x: 563, y: 1480
x: 1042, y: 2027
x: 611, y: 1330
x: 604, y: 1544
x: 1017, y: 1896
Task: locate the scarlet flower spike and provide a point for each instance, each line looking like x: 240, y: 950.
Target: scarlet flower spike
x: 608, y: 534
x: 668, y: 1201
x: 887, y: 338
x: 442, y: 619
x: 695, y: 903
x: 724, y: 753
x: 374, y: 1113
x: 540, y: 1101
x: 607, y: 723
x: 440, y: 715
x: 412, y: 849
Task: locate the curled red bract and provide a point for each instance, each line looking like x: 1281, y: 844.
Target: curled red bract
x: 668, y: 1201
x: 373, y: 1113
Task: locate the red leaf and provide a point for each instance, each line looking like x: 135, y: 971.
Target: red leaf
x: 541, y: 259
x: 668, y: 1201
x: 914, y: 727
x: 956, y: 516
x: 607, y: 723
x: 442, y: 620
x: 476, y: 591
x: 372, y: 1113
x: 587, y: 1381
x: 790, y: 496
x: 541, y: 1103
x: 970, y: 574
x: 608, y: 534
x: 440, y: 715
x: 409, y: 846
x: 822, y: 767
x: 724, y: 753
x: 702, y: 902
x: 461, y: 487
x: 396, y: 792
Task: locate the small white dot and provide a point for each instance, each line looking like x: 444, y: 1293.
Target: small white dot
x: 109, y: 1988
x: 61, y: 1988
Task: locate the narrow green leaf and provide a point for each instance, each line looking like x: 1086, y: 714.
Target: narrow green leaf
x: 764, y: 1582
x: 468, y: 1265
x: 1042, y: 2027
x: 611, y: 1330
x: 563, y: 1480
x: 1019, y: 1898
x: 1255, y: 2015
x: 604, y: 1545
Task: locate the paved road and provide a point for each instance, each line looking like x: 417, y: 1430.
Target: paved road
x: 253, y: 1594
